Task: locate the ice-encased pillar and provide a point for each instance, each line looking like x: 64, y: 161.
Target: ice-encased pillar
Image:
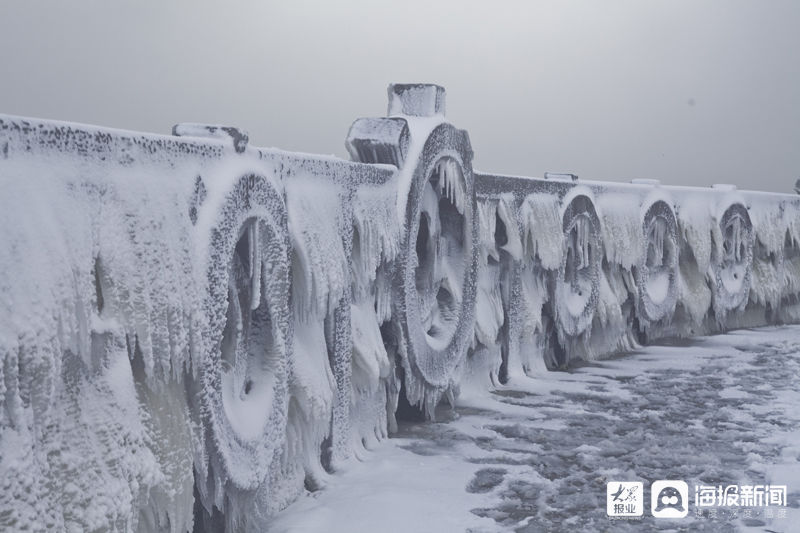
x: 436, y: 270
x: 416, y: 99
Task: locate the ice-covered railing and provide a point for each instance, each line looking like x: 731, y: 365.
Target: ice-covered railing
x: 669, y: 261
x: 194, y: 330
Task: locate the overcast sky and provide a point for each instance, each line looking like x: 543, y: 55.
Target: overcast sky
x: 691, y: 92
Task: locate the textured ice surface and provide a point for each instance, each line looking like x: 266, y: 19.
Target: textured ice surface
x: 193, y: 331
x: 147, y: 378
x: 101, y: 314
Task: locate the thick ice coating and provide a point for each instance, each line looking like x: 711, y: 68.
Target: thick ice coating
x: 195, y: 331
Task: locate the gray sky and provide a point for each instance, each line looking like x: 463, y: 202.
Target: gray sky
x: 688, y: 91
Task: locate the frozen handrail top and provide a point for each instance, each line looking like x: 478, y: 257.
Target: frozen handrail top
x: 213, y: 131
x: 560, y: 176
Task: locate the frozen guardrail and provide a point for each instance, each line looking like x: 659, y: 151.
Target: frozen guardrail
x: 192, y: 329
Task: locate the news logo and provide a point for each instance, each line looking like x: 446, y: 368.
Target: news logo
x: 624, y: 498
x: 669, y: 498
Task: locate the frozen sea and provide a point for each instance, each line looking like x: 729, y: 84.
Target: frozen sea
x: 536, y: 455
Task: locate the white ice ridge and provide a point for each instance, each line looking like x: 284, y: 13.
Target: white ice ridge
x: 195, y: 331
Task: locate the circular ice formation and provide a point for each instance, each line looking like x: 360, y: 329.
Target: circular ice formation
x: 440, y: 246
x: 733, y: 260
x: 244, y: 374
x: 657, y: 273
x: 439, y: 262
x: 577, y: 285
x: 248, y: 349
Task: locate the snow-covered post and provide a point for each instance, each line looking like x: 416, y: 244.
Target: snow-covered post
x: 639, y: 282
x: 657, y: 272
x: 243, y: 381
x: 577, y: 284
x: 319, y: 210
x: 497, y: 285
x: 732, y: 259
x: 239, y: 395
x: 437, y: 264
x: 343, y: 231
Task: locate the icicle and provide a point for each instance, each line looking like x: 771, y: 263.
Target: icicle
x: 233, y: 296
x: 321, y: 270
x: 660, y: 231
x: 451, y: 397
x: 737, y: 238
x: 451, y: 183
x: 622, y: 237
x: 370, y: 362
x: 542, y: 231
x: 375, y: 238
x: 584, y: 244
x: 507, y: 216
x: 489, y: 314
x: 579, y: 244
x: 255, y: 266
x: 656, y: 242
x: 487, y: 216
x: 383, y: 295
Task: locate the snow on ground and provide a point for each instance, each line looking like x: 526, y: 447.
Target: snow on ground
x: 536, y: 455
